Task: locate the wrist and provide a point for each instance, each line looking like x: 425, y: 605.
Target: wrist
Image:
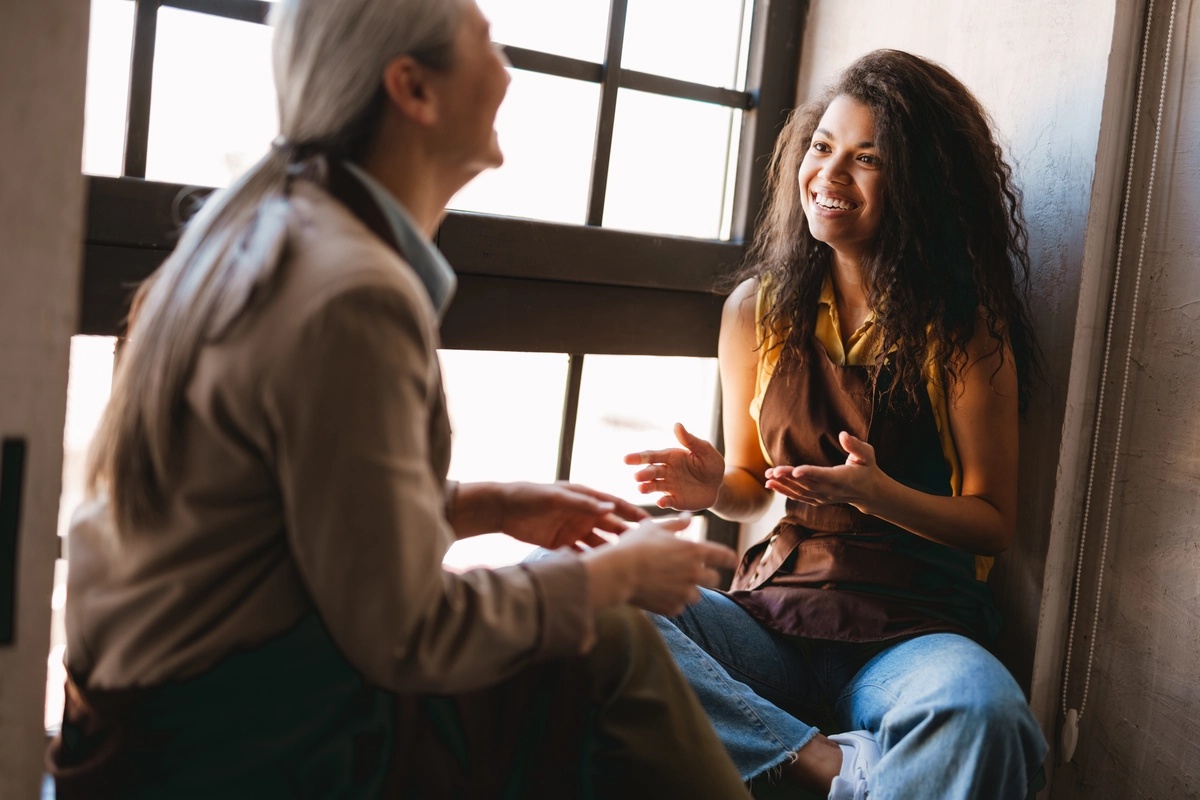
x: 720, y: 498
x: 879, y: 497
x: 610, y: 576
x: 476, y: 508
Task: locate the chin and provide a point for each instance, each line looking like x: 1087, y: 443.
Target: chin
x: 495, y: 154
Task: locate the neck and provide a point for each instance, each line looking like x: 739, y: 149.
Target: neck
x: 414, y: 176
x: 847, y: 275
x: 852, y: 308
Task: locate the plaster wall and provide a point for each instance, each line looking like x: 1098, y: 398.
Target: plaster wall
x: 1140, y: 727
x: 1040, y: 69
x: 43, y: 50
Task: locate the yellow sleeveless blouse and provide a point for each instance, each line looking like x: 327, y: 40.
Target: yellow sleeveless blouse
x: 859, y: 350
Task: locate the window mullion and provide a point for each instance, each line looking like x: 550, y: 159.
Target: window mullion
x: 141, y: 80
x: 566, y: 440
x: 775, y: 35
x: 609, y: 86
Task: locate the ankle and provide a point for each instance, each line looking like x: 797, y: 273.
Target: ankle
x: 815, y: 765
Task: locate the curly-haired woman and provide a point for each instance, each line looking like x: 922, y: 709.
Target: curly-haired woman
x: 874, y: 363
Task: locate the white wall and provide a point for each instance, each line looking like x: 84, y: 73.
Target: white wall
x: 43, y: 50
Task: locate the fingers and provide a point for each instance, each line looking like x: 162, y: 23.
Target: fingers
x: 795, y: 491
x: 628, y: 511
x: 651, y: 456
x: 669, y: 604
x: 621, y: 509
x: 672, y: 457
x: 655, y: 472
x: 692, y: 444
x: 676, y: 568
x: 673, y: 524
x: 717, y: 555
x: 574, y: 502
x: 695, y: 444
x: 683, y: 437
x: 798, y: 483
x: 859, y: 452
x: 709, y: 577
x: 611, y: 523
x: 593, y: 539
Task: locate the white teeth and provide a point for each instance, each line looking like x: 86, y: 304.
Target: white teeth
x: 834, y: 204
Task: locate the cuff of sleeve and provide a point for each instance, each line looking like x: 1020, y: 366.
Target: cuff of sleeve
x: 567, y: 622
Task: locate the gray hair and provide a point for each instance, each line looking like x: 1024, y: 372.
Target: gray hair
x: 329, y: 57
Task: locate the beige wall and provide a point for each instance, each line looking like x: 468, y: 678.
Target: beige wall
x: 1140, y: 732
x: 43, y: 47
x: 1058, y: 80
x: 1040, y: 70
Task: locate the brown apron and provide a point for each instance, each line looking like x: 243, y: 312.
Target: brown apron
x: 832, y: 572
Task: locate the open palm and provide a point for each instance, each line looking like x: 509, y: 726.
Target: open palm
x: 688, y: 477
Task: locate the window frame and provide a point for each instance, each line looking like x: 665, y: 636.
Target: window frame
x: 583, y: 288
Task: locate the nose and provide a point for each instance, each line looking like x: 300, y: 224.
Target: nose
x: 835, y: 169
x: 502, y: 54
x: 502, y: 57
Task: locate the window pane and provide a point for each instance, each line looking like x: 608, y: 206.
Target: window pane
x: 578, y: 28
x: 506, y: 412
x: 693, y: 40
x: 110, y: 49
x: 631, y: 403
x: 670, y: 161
x: 89, y: 384
x: 547, y: 156
x: 212, y: 110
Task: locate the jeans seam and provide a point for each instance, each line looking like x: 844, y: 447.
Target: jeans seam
x: 878, y: 687
x: 749, y: 712
x: 731, y: 668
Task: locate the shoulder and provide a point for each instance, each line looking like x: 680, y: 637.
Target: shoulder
x: 988, y: 341
x: 337, y: 285
x: 744, y: 292
x: 742, y: 303
x: 332, y: 254
x: 739, y: 322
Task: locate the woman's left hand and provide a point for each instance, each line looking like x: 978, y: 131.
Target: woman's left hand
x: 561, y: 514
x: 854, y: 483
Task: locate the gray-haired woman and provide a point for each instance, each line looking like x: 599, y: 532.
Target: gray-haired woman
x: 256, y: 600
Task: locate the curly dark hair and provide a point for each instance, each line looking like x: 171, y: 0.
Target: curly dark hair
x: 951, y: 245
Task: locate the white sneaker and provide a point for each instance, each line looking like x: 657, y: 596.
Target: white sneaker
x: 859, y: 755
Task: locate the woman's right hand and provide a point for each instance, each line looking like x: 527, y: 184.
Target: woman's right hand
x: 689, y: 478
x: 650, y: 567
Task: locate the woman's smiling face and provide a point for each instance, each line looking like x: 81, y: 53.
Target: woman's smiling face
x: 841, y: 180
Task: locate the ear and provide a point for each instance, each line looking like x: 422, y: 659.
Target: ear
x: 406, y: 82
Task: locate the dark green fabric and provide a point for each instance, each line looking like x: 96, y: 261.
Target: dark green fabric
x: 289, y: 720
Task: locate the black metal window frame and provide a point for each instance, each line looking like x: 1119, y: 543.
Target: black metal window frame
x: 582, y: 289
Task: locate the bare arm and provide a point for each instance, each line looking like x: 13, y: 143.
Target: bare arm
x: 742, y: 495
x: 696, y: 476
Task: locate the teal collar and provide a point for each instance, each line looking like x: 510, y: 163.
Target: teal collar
x: 426, y: 260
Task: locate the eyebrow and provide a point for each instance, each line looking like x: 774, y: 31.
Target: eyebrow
x: 827, y: 133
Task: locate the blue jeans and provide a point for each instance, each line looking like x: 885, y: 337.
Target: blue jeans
x: 949, y: 719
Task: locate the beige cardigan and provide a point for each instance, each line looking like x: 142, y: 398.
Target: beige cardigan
x: 313, y: 476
